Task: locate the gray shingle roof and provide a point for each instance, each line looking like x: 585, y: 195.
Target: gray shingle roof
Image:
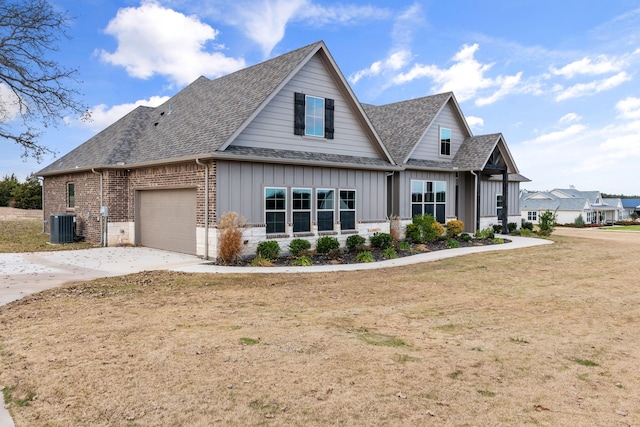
x: 475, y: 151
x: 401, y: 124
x: 196, y: 121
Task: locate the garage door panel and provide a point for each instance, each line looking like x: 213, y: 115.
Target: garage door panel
x: 167, y: 219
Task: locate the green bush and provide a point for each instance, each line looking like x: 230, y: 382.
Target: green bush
x: 512, y: 226
x: 546, y: 223
x: 404, y: 246
x: 381, y: 240
x: 487, y: 233
x: 466, y: 237
x: 579, y: 222
x: 268, y: 249
x: 454, y: 227
x: 326, y: 244
x: 390, y: 253
x: 355, y: 243
x: 527, y: 226
x: 525, y: 232
x: 452, y: 243
x: 424, y: 228
x: 302, y: 261
x: 365, y: 256
x: 497, y: 228
x: 298, y: 246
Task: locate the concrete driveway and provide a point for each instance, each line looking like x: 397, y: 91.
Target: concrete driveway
x: 28, y: 273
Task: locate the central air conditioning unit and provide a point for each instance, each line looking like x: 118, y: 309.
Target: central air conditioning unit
x: 63, y: 228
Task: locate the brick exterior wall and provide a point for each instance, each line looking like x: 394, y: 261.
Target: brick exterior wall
x: 119, y: 195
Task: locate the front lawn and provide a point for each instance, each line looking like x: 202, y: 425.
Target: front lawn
x: 26, y: 236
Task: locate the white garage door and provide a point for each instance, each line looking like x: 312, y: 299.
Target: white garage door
x: 167, y: 220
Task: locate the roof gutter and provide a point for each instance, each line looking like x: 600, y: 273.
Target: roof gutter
x: 206, y: 207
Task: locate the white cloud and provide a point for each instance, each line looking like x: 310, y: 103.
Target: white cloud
x: 475, y: 122
x: 156, y: 40
x: 507, y: 85
x: 9, y: 104
x: 343, y: 14
x: 585, y: 89
x: 629, y: 108
x: 601, y: 65
x: 103, y: 115
x: 395, y: 61
x: 558, y: 136
x: 570, y: 117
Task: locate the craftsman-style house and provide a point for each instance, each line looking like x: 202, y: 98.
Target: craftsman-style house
x: 287, y: 145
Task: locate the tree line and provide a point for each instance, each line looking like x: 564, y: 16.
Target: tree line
x: 21, y: 195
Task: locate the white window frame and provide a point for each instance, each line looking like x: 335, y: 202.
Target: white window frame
x: 354, y: 210
x: 444, y: 142
x: 266, y: 210
x: 294, y: 210
x: 532, y: 216
x: 435, y: 199
x: 499, y: 205
x: 314, y: 116
x: 332, y: 209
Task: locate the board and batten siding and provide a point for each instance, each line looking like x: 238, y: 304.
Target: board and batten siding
x: 240, y: 187
x: 273, y: 126
x: 488, y: 192
x: 428, y: 148
x: 404, y: 193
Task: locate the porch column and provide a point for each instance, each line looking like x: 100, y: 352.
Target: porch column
x: 505, y: 202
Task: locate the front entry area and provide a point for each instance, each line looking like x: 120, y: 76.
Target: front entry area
x: 166, y: 219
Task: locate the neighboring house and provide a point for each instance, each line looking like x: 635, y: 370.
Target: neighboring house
x: 287, y: 145
x: 569, y: 204
x: 630, y: 207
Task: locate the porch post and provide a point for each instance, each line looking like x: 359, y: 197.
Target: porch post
x: 505, y: 202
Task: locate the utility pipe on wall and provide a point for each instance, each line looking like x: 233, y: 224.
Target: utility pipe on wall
x: 206, y: 207
x: 103, y: 231
x: 476, y: 202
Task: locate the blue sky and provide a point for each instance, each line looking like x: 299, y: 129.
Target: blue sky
x: 559, y: 79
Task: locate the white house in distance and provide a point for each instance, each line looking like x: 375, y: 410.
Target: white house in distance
x: 568, y: 205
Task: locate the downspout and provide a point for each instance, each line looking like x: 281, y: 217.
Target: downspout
x: 44, y: 218
x: 103, y: 239
x: 206, y: 207
x: 476, y: 212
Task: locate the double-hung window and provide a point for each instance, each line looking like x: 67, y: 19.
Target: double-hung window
x: 71, y: 194
x: 533, y: 216
x: 325, y: 205
x: 429, y: 197
x: 499, y: 205
x: 313, y: 116
x: 347, y: 209
x: 445, y: 142
x: 275, y: 200
x: 301, y: 208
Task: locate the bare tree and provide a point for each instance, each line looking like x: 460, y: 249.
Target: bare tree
x: 35, y: 91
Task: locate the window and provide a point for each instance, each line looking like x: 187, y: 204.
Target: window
x: 499, y: 205
x: 429, y: 197
x: 445, y: 142
x: 275, y: 209
x: 325, y: 209
x: 71, y: 195
x: 313, y: 116
x: 533, y: 216
x: 301, y: 203
x: 347, y: 210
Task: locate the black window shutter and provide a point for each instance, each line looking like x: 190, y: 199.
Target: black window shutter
x: 328, y: 118
x: 298, y: 114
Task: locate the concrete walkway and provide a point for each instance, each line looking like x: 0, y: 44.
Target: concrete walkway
x: 25, y: 274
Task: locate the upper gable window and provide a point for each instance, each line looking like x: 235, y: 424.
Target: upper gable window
x: 445, y: 142
x: 313, y: 116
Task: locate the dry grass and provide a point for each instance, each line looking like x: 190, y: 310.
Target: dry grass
x: 541, y: 336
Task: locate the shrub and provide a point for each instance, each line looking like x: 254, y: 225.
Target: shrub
x: 525, y: 232
x: 497, y: 228
x: 355, y: 243
x: 466, y: 237
x: 326, y: 244
x: 260, y: 261
x: 547, y: 223
x: 497, y: 240
x: 512, y: 226
x: 365, y: 256
x: 390, y: 253
x: 268, y: 249
x: 452, y: 243
x: 527, y: 225
x: 487, y: 233
x: 424, y: 228
x: 454, y: 227
x: 579, y: 222
x: 381, y: 240
x: 302, y: 261
x: 231, y: 246
x: 298, y: 246
x: 404, y: 246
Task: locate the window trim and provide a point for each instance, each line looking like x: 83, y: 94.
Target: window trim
x: 266, y: 210
x: 314, y: 115
x: 432, y: 198
x: 499, y: 205
x: 532, y: 216
x: 445, y: 144
x: 294, y: 210
x: 71, y: 198
x: 354, y: 210
x: 332, y: 209
x: 300, y: 116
